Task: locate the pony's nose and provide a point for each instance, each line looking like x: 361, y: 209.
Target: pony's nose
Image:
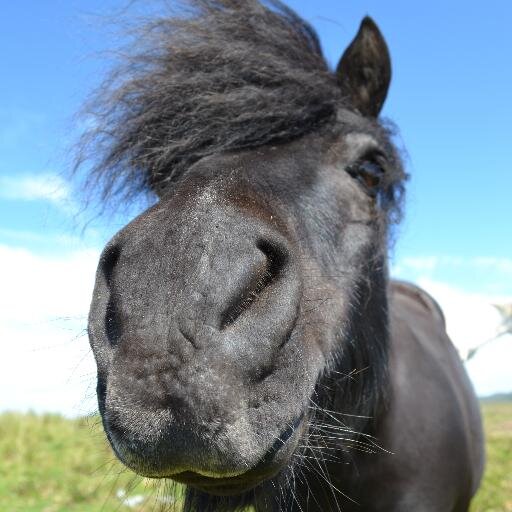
x: 227, y: 284
x: 242, y: 303
x: 261, y: 270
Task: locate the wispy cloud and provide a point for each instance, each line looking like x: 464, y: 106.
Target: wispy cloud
x: 430, y: 263
x: 422, y: 264
x: 31, y: 187
x: 55, y: 241
x: 486, y: 274
x: 503, y: 265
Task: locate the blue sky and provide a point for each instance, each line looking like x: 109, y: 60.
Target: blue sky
x: 450, y: 98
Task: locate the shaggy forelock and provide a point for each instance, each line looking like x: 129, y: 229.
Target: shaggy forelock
x: 217, y: 75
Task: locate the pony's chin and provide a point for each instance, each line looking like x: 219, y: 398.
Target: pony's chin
x: 228, y: 483
x: 230, y: 486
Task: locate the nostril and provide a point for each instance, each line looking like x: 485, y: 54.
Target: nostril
x: 112, y: 324
x: 108, y: 263
x: 275, y: 259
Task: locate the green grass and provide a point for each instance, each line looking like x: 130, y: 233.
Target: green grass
x: 495, y: 494
x: 49, y: 464
x: 52, y: 464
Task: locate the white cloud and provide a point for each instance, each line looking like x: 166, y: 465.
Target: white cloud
x: 428, y: 264
x: 39, y: 288
x: 46, y: 364
x: 425, y: 263
x: 60, y: 240
x: 48, y: 187
x: 503, y: 265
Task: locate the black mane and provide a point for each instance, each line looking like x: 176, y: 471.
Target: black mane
x: 221, y: 75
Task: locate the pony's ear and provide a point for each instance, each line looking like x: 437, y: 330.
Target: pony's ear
x: 364, y: 71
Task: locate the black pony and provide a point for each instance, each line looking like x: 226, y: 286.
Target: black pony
x: 248, y: 340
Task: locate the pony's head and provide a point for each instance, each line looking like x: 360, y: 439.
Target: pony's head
x: 222, y: 313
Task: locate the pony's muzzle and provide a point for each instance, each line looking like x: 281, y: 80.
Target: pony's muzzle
x: 191, y: 348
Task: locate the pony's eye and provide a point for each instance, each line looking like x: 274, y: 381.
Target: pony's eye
x: 369, y: 173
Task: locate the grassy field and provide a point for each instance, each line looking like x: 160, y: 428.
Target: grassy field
x: 50, y: 464
x: 495, y: 494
